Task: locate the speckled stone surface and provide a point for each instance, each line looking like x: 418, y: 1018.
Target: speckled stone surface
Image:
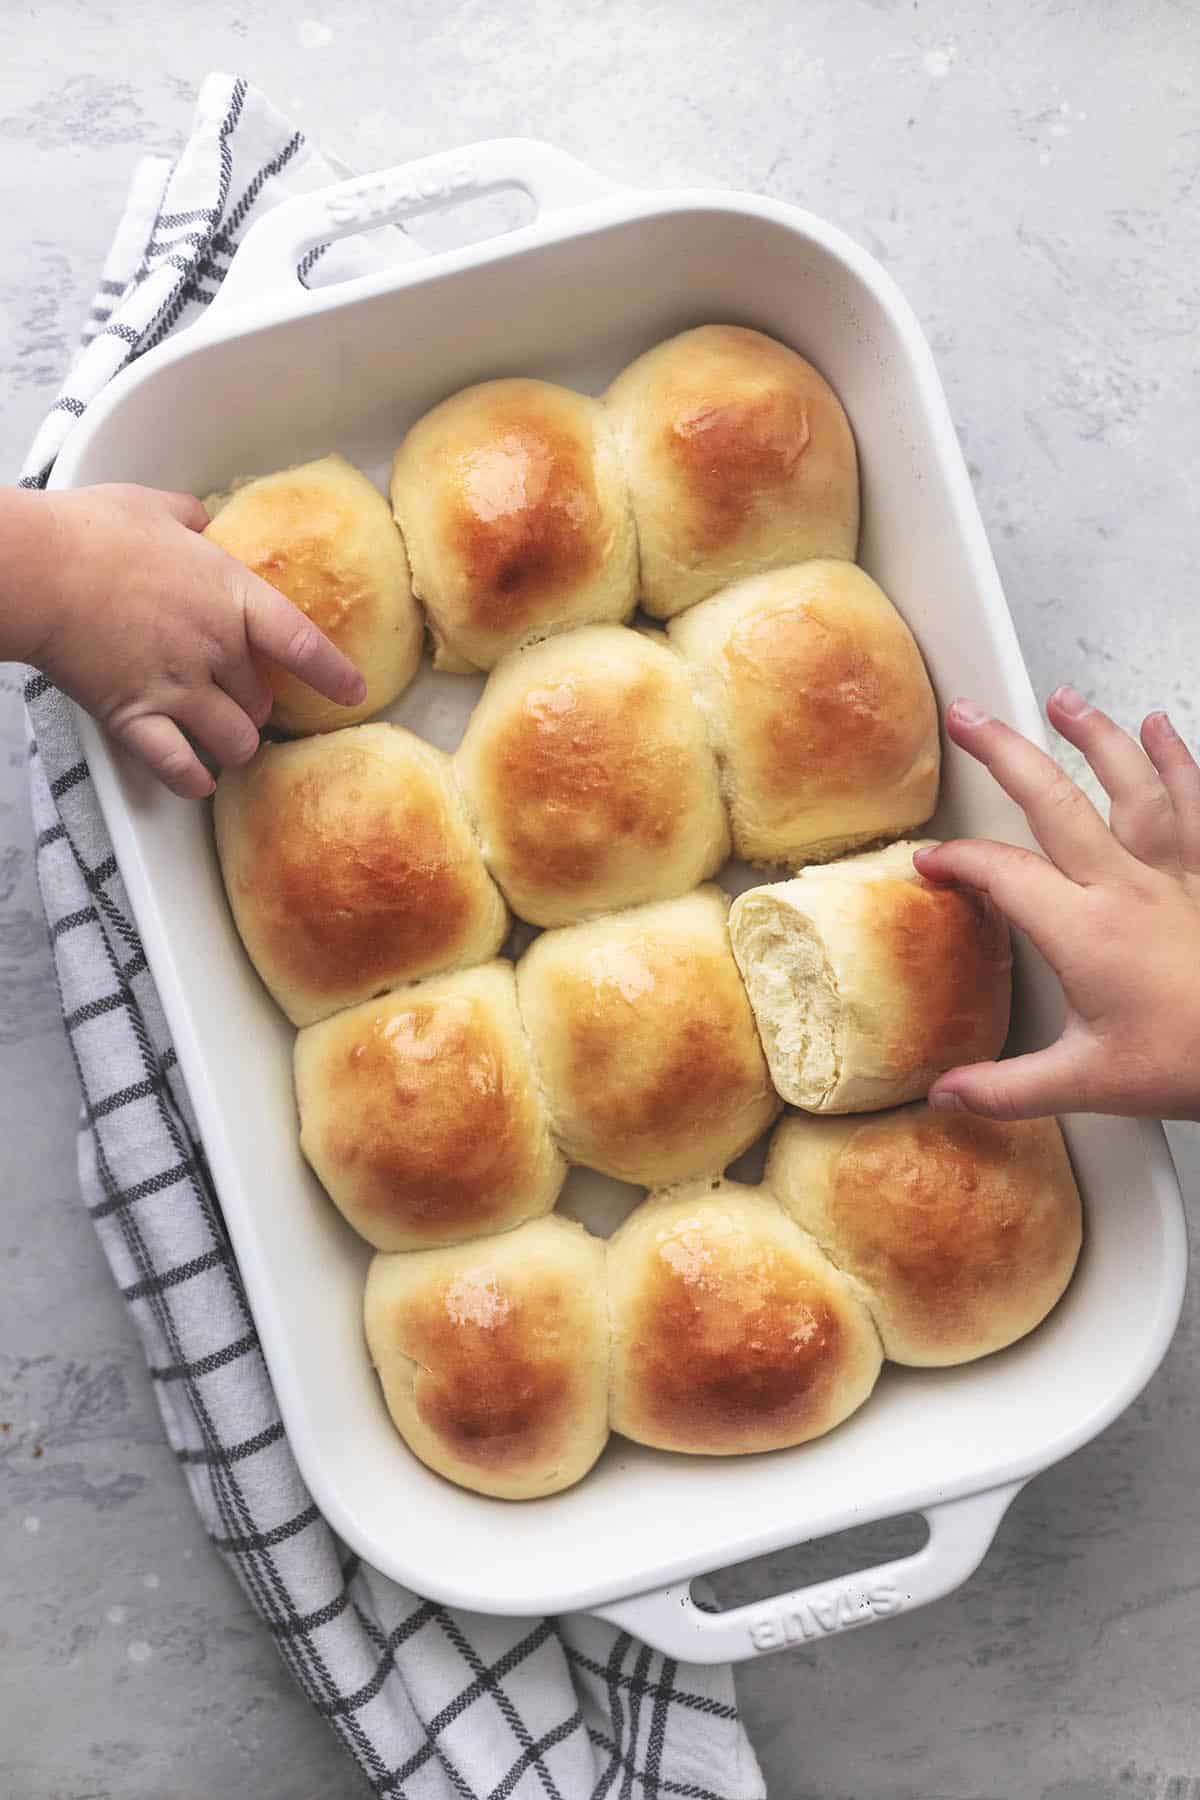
x: 1030, y: 172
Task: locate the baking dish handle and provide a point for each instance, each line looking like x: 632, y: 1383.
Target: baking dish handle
x: 266, y: 264
x: 960, y: 1532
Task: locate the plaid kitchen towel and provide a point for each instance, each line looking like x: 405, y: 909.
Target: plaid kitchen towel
x: 430, y: 1702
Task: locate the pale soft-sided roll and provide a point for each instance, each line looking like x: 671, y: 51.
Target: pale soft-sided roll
x: 739, y: 459
x: 323, y: 535
x: 820, y: 708
x: 516, y: 517
x: 590, y: 776
x: 350, y: 867
x: 420, y: 1112
x: 868, y: 982
x: 494, y: 1356
x: 732, y: 1333
x: 645, y: 1042
x: 961, y: 1233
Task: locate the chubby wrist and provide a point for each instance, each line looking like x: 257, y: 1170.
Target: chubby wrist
x: 33, y: 574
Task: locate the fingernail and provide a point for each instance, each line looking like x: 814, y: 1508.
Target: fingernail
x: 1162, y: 722
x: 1069, y: 701
x: 967, y: 713
x: 946, y: 1101
x: 356, y: 692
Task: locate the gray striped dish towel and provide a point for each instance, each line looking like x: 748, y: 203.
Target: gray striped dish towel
x: 431, y: 1703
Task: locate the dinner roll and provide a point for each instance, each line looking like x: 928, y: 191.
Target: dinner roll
x: 514, y: 509
x: 322, y: 535
x: 645, y: 1042
x: 739, y: 459
x: 421, y: 1114
x: 867, y: 982
x: 591, y: 779
x: 820, y: 708
x: 962, y: 1233
x: 731, y: 1331
x: 494, y: 1356
x: 350, y: 867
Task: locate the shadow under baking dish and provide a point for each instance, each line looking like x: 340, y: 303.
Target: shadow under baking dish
x: 573, y: 299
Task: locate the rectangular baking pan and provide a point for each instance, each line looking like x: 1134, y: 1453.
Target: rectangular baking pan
x: 276, y: 373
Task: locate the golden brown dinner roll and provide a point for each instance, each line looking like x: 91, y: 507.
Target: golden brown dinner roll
x: 867, y: 982
x: 645, y: 1042
x: 739, y: 459
x: 421, y: 1114
x: 590, y: 776
x: 731, y: 1331
x: 514, y: 509
x: 820, y: 708
x: 494, y: 1356
x: 350, y: 867
x: 322, y: 535
x: 962, y: 1233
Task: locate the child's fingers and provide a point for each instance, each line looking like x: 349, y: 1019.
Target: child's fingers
x: 1030, y: 892
x: 281, y: 632
x: 219, y: 723
x: 245, y: 682
x: 1181, y: 779
x: 1022, y: 1087
x: 1142, y: 816
x: 158, y: 742
x: 187, y: 509
x: 1062, y: 818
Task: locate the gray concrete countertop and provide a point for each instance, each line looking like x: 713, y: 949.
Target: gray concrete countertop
x: 1030, y: 172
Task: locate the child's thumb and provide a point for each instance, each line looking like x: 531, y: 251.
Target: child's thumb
x: 1023, y: 1087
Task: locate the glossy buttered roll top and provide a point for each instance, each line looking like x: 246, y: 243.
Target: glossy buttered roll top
x: 645, y: 1042
x: 322, y: 534
x: 739, y: 459
x: 421, y: 1114
x: 591, y: 779
x: 350, y: 867
x: 494, y: 1356
x: 732, y: 1332
x: 962, y: 1233
x: 516, y: 516
x: 820, y: 708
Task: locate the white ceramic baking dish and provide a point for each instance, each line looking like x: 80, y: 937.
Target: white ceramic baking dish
x: 277, y: 373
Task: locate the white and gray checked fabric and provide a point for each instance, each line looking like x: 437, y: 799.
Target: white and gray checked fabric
x: 430, y: 1703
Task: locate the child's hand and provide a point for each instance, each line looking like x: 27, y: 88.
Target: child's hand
x: 114, y: 594
x: 1115, y: 910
